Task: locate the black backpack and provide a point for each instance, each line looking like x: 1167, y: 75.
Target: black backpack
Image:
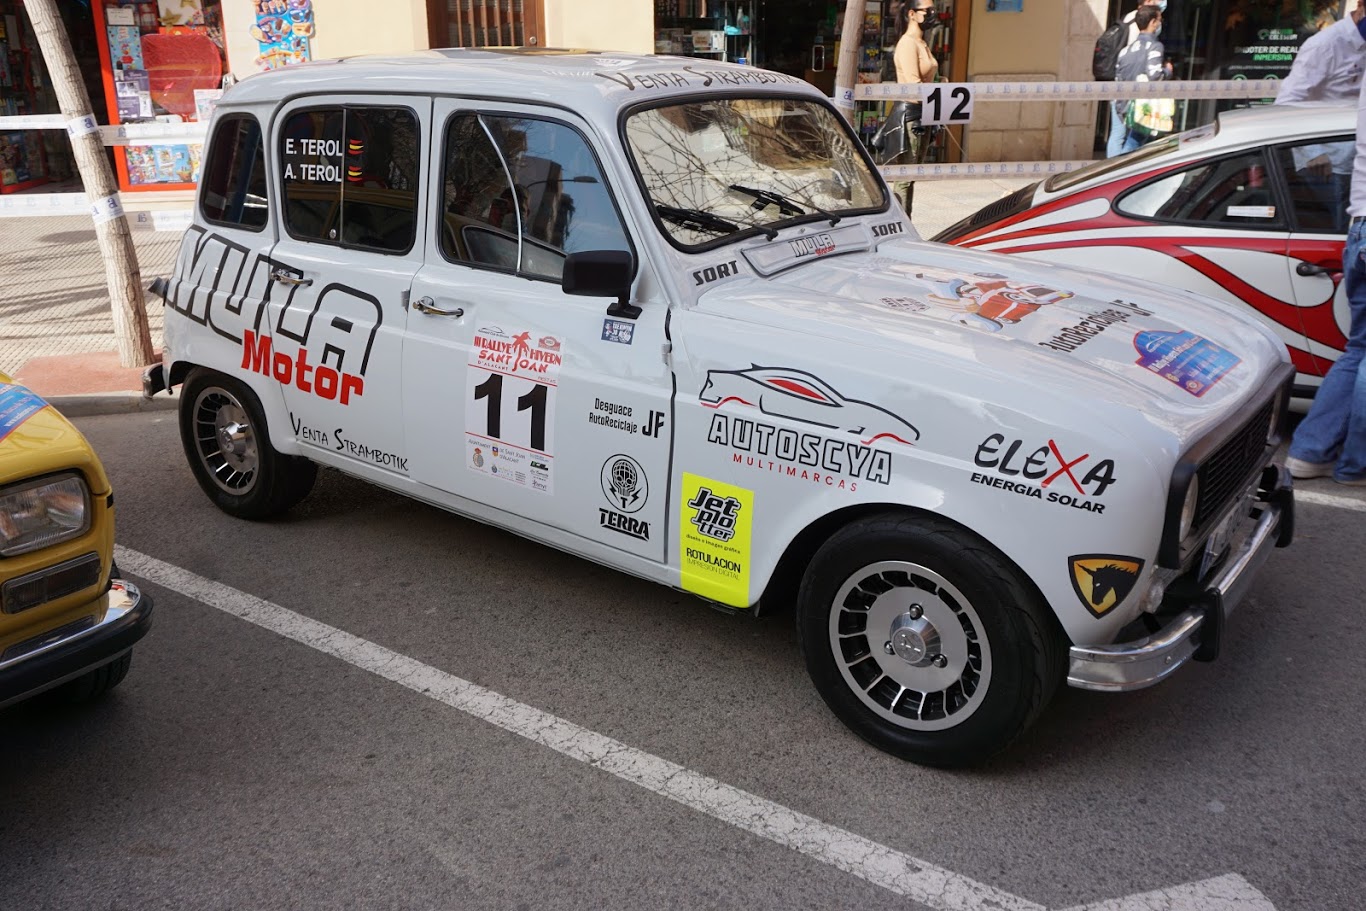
x: 1106, y: 54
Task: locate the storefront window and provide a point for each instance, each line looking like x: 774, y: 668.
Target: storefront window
x: 163, y: 62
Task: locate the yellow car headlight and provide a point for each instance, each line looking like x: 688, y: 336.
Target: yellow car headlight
x: 40, y: 513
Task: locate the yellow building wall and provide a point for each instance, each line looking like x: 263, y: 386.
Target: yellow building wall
x: 349, y: 27
x: 344, y: 28
x: 1050, y: 41
x: 601, y: 25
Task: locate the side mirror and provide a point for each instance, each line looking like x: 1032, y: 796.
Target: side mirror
x: 602, y: 273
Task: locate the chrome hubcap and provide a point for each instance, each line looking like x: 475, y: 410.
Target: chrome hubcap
x: 225, y: 440
x: 910, y: 645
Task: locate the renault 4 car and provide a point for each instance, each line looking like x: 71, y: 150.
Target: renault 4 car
x: 1250, y: 209
x: 664, y: 314
x: 67, y: 622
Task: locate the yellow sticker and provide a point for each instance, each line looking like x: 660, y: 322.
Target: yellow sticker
x: 714, y: 533
x: 1102, y: 581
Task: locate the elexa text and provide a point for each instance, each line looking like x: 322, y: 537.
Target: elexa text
x: 1045, y: 464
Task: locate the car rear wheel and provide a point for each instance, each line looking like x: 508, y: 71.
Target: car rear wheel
x: 226, y: 440
x: 925, y: 641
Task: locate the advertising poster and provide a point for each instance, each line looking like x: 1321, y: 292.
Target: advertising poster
x: 282, y: 31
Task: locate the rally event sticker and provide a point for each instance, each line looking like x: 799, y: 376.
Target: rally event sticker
x: 510, y: 387
x: 17, y: 405
x: 1190, y: 361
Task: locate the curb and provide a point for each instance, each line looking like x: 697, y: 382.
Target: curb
x: 97, y: 403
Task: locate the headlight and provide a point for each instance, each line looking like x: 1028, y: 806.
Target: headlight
x: 1188, y: 508
x: 41, y: 513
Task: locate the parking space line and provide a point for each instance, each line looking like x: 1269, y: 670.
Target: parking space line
x: 1328, y: 499
x: 918, y: 880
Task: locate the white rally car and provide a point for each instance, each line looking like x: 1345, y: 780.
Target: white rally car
x: 663, y: 313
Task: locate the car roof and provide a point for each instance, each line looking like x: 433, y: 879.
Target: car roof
x: 1279, y: 122
x: 590, y: 82
x: 1233, y: 130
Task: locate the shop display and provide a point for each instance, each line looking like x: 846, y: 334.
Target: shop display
x: 23, y: 92
x: 157, y: 57
x: 714, y: 29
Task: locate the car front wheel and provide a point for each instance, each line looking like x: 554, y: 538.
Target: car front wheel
x: 925, y: 641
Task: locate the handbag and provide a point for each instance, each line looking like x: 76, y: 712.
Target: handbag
x: 1150, y: 117
x: 894, y: 137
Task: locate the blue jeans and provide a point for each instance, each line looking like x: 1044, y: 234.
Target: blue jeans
x: 1114, y: 144
x: 1335, y: 428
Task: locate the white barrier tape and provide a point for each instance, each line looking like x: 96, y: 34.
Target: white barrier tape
x: 33, y: 122
x: 126, y: 134
x: 77, y: 127
x: 50, y: 204
x: 106, y: 209
x: 1075, y: 91
x: 959, y: 170
x: 35, y: 204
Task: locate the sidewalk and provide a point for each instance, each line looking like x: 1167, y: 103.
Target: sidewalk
x: 57, y: 333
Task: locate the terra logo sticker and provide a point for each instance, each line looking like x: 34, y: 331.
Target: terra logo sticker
x: 1103, y: 581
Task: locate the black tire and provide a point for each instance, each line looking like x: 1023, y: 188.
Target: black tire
x: 94, y: 684
x: 227, y: 443
x: 922, y: 587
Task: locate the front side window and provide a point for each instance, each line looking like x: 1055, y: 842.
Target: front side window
x: 725, y: 167
x: 1319, y: 177
x: 234, y: 183
x: 521, y: 194
x: 350, y: 176
x: 1231, y: 192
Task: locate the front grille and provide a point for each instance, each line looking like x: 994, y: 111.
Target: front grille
x: 1224, y: 474
x: 50, y: 583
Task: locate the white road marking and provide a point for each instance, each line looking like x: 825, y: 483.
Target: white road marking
x: 902, y: 874
x: 1222, y: 893
x: 1328, y: 499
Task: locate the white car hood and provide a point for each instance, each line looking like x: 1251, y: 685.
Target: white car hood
x: 1131, y: 343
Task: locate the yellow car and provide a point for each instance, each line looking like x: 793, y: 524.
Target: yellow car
x: 67, y: 623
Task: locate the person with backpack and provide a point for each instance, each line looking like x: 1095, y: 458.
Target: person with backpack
x: 1142, y: 61
x: 1105, y: 58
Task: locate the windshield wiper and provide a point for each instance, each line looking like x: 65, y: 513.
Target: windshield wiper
x: 697, y: 219
x: 784, y: 203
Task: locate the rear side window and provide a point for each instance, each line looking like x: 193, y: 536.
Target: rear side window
x: 1233, y: 192
x: 350, y: 177
x: 234, y: 183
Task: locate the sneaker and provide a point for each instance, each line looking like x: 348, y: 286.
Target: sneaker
x: 1351, y: 482
x: 1302, y: 470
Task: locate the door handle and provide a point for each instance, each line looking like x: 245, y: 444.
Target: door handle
x: 284, y: 278
x: 428, y: 306
x: 1310, y: 269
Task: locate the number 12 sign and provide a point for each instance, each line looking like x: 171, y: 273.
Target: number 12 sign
x: 952, y: 107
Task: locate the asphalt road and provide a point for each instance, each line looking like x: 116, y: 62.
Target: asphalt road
x: 240, y: 768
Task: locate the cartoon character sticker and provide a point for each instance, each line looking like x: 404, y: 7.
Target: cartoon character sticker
x: 986, y: 300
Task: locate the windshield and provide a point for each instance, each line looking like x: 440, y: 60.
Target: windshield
x: 721, y: 168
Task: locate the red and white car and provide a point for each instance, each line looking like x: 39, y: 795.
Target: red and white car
x: 1249, y: 209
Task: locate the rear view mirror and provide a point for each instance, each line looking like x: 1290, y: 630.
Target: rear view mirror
x: 602, y: 273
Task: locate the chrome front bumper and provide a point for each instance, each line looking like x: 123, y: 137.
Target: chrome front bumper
x: 1195, y: 633
x: 121, y: 617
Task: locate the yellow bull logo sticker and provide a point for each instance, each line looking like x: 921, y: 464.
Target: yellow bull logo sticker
x: 1103, y: 581
x: 714, y: 525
